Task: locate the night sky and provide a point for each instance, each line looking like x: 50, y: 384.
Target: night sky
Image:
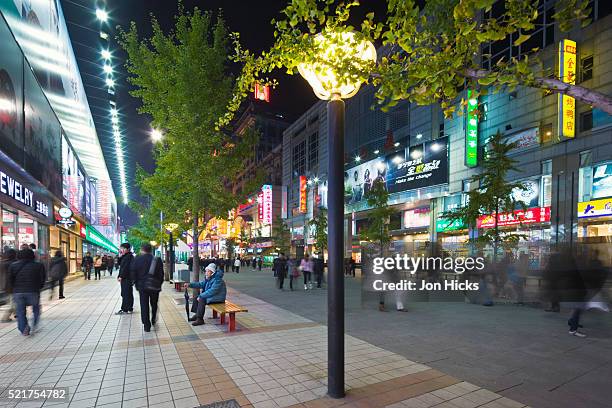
x: 250, y: 18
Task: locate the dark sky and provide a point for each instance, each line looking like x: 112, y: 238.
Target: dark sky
x: 250, y: 18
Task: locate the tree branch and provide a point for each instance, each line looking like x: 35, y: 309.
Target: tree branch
x: 588, y: 96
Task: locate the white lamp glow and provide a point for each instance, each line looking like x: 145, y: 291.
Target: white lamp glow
x: 334, y: 47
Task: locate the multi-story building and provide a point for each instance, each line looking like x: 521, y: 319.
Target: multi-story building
x: 569, y: 179
x: 52, y: 169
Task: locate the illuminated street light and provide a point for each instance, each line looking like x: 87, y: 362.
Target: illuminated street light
x: 102, y: 15
x: 357, y: 158
x: 327, y: 86
x: 156, y: 135
x: 110, y: 82
x: 106, y: 54
x: 107, y: 69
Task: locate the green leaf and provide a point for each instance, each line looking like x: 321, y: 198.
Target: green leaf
x: 522, y: 38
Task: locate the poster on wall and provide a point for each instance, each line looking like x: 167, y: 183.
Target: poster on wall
x: 525, y: 139
x: 359, y: 180
x: 529, y: 196
x: 425, y: 166
x: 104, y: 210
x: 42, y: 138
x: 602, y: 181
x: 11, y: 96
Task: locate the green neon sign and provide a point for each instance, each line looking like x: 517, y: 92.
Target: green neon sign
x: 471, y: 131
x: 444, y: 225
x: 92, y: 235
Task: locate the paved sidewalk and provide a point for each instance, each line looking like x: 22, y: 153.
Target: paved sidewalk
x: 522, y: 353
x: 275, y: 359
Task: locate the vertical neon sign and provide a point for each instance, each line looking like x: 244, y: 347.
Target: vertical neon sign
x: 567, y: 73
x: 471, y: 131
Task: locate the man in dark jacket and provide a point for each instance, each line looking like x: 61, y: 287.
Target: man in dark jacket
x: 148, y: 281
x: 318, y: 265
x: 87, y: 264
x: 58, y: 269
x: 279, y: 266
x: 27, y: 279
x: 124, y: 279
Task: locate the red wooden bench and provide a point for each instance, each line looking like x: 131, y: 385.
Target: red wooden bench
x: 227, y: 308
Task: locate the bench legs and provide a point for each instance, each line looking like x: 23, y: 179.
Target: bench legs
x: 222, y: 318
x: 232, y: 322
x: 214, y: 314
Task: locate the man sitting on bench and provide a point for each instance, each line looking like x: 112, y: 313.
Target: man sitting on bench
x: 213, y: 291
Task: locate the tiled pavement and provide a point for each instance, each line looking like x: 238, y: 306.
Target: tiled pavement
x: 275, y: 359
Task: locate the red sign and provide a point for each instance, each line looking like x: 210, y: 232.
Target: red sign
x: 303, y: 194
x: 529, y: 216
x: 262, y: 92
x: 260, y: 206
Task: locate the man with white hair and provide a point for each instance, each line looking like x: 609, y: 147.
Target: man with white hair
x: 213, y: 291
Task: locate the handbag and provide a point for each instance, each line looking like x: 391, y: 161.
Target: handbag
x: 151, y: 282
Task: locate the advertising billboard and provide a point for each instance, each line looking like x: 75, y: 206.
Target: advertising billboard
x: 602, y: 181
x: 11, y: 96
x: 425, y: 165
x: 530, y: 196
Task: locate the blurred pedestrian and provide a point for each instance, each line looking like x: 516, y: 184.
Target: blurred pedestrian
x: 58, y: 269
x: 306, y: 269
x: 27, y: 280
x: 259, y: 263
x: 518, y: 278
x: 87, y: 264
x: 279, y: 267
x: 293, y: 270
x: 147, y: 273
x: 8, y: 257
x: 98, y: 266
x: 110, y: 264
x: 237, y: 265
x: 125, y: 280
x: 318, y: 265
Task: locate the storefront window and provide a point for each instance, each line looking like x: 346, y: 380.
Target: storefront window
x: 43, y: 244
x: 27, y: 230
x: 9, y: 229
x: 546, y: 187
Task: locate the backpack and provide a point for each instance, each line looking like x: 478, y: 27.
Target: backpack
x: 151, y: 282
x: 57, y: 272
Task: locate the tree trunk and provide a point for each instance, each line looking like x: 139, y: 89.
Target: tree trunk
x: 590, y: 97
x: 195, y: 272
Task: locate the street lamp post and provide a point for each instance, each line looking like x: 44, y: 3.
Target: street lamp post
x: 327, y: 86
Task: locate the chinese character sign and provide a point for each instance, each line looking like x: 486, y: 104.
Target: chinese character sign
x: 260, y: 206
x: 567, y: 73
x: 303, y: 194
x: 471, y: 131
x: 267, y: 204
x: 529, y: 216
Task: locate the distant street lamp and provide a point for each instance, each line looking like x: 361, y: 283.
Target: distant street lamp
x: 327, y: 86
x: 156, y: 135
x: 102, y: 15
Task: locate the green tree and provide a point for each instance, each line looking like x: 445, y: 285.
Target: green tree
x: 230, y: 246
x: 281, y: 235
x: 493, y: 195
x: 183, y: 82
x: 377, y: 230
x: 319, y: 223
x: 430, y: 49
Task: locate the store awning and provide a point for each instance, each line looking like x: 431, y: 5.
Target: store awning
x: 93, y: 236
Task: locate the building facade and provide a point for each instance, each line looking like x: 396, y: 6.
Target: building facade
x: 427, y: 160
x: 49, y: 180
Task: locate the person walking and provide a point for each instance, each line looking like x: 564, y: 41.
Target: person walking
x: 293, y: 270
x: 213, y: 291
x: 237, y: 265
x: 318, y: 265
x: 124, y: 279
x: 306, y: 268
x: 280, y: 269
x: 58, y: 269
x: 110, y: 264
x: 259, y: 263
x: 97, y: 266
x: 27, y: 280
x: 87, y: 264
x: 8, y: 257
x: 147, y: 272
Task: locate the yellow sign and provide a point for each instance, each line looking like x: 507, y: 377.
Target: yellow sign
x: 567, y: 73
x: 595, y: 208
